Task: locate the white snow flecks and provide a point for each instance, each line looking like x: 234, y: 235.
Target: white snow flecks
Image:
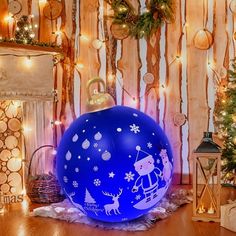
x: 95, y: 168
x: 75, y: 184
x: 138, y: 197
x: 119, y: 130
x: 65, y: 167
x: 95, y: 145
x: 88, y: 158
x: 158, y: 161
x: 129, y: 176
x: 135, y: 115
x: 68, y: 156
x: 75, y: 138
x: 149, y: 145
x: 76, y: 169
x: 134, y: 128
x: 97, y: 182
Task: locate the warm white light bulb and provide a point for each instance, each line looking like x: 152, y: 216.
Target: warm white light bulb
x: 57, y: 122
x: 84, y: 37
x: 58, y: 32
x: 110, y: 77
x: 42, y: 1
x: 35, y: 26
x: 32, y: 35
x: 9, y: 18
x: 79, y: 66
x: 26, y: 129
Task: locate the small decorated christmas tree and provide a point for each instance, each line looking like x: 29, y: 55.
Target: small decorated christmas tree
x: 226, y: 123
x: 24, y: 33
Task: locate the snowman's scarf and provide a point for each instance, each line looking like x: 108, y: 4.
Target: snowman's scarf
x: 66, y: 211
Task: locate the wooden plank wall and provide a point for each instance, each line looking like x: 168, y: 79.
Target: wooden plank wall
x: 184, y: 83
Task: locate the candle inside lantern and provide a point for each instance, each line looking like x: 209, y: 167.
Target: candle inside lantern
x: 211, y: 210
x: 201, y: 209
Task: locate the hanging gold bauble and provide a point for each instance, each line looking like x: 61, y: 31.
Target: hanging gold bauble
x: 203, y: 39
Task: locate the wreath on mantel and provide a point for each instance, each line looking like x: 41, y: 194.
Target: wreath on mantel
x: 127, y: 22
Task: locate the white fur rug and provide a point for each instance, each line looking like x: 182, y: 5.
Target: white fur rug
x: 66, y: 211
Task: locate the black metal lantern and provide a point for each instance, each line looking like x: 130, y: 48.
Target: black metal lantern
x: 206, y: 180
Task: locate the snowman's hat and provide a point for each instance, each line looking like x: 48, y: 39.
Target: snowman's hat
x: 141, y: 154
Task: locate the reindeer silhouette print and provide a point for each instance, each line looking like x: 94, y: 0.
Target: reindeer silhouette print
x: 115, y: 205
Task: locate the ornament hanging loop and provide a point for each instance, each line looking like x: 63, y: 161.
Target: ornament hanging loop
x: 99, y: 100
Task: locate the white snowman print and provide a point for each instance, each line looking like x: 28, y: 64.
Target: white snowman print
x: 167, y: 165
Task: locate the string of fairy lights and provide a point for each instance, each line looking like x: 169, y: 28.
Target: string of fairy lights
x: 98, y: 43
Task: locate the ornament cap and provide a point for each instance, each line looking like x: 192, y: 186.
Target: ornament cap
x: 99, y: 100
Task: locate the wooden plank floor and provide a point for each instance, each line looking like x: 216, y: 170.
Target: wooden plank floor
x: 17, y: 222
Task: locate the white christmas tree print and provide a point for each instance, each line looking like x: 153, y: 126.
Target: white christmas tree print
x: 129, y: 176
x: 88, y: 198
x: 134, y: 128
x: 97, y: 182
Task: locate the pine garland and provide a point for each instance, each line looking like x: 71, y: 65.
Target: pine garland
x: 33, y: 43
x: 145, y: 24
x: 225, y: 117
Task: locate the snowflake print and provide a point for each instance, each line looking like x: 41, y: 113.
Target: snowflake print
x: 97, y: 182
x: 137, y: 197
x: 77, y: 169
x: 65, y: 179
x: 129, y: 176
x: 158, y: 161
x: 135, y: 115
x: 149, y: 145
x: 134, y: 128
x: 95, y: 145
x: 95, y: 168
x: 75, y: 184
x: 65, y: 167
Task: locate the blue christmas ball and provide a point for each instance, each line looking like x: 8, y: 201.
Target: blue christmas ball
x: 115, y: 164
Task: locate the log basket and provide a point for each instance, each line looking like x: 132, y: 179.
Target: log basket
x: 43, y: 188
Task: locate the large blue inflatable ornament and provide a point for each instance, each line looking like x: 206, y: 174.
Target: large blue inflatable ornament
x: 114, y: 163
